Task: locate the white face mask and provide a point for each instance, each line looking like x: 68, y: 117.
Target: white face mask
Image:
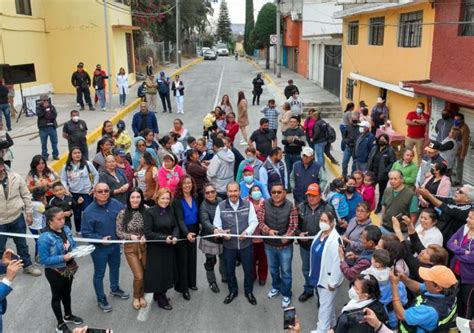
x: 324, y: 226
x: 75, y: 119
x: 353, y: 294
x: 361, y: 129
x: 380, y: 274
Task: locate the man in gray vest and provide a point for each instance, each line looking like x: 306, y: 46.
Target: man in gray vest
x: 237, y: 217
x: 397, y: 199
x: 281, y: 219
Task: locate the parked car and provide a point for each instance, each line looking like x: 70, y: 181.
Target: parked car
x: 210, y: 55
x: 222, y: 52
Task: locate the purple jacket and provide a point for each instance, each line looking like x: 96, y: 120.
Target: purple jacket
x: 466, y: 269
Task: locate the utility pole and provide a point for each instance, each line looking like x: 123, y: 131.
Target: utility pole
x: 178, y: 32
x: 106, y: 27
x: 278, y: 46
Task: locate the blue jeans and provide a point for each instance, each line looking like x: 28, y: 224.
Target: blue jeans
x: 345, y: 160
x: 101, y: 96
x: 279, y: 263
x: 246, y: 258
x: 17, y: 226
x: 103, y: 255
x: 50, y: 131
x: 290, y: 159
x: 5, y: 108
x: 361, y: 166
x: 35, y: 232
x: 319, y: 150
x: 122, y: 98
x: 342, y: 128
x: 78, y: 209
x: 305, y: 264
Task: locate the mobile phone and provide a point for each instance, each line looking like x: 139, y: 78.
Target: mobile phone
x: 97, y: 330
x: 12, y: 256
x: 355, y: 317
x: 399, y: 217
x: 289, y: 315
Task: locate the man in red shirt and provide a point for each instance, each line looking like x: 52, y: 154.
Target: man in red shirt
x: 416, y: 128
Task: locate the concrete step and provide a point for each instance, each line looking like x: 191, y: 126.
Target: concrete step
x: 327, y: 109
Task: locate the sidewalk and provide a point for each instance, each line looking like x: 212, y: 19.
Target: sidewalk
x: 25, y: 133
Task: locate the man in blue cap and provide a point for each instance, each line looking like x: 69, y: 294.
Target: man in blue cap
x: 164, y: 91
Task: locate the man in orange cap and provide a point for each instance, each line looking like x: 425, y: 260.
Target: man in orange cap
x: 434, y: 308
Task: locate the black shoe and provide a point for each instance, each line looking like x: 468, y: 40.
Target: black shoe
x: 214, y: 287
x: 262, y: 282
x: 73, y: 319
x: 251, y: 299
x: 304, y: 297
x: 193, y: 288
x: 224, y: 280
x: 230, y: 298
x: 164, y: 111
x: 91, y: 108
x: 166, y: 307
x: 187, y: 296
x: 170, y: 111
x: 237, y: 263
x: 379, y: 209
x: 56, y: 158
x: 82, y: 108
x: 62, y: 328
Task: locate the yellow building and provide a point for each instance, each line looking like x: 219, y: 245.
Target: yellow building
x: 56, y: 35
x: 385, y: 44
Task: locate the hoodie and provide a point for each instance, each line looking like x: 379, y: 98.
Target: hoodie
x: 221, y: 169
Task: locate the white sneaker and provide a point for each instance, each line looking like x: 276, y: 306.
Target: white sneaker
x: 285, y: 302
x: 273, y: 292
x: 103, y: 109
x: 243, y: 143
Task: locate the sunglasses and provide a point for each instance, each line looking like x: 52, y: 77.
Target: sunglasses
x: 209, y: 192
x: 102, y: 191
x: 277, y: 192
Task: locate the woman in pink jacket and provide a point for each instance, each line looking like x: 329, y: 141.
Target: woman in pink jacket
x: 170, y: 173
x: 438, y: 183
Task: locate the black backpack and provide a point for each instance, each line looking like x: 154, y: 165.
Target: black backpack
x: 330, y: 132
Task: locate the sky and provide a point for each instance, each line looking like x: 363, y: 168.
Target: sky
x: 237, y: 9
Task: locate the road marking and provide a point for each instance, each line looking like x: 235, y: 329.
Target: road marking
x: 219, y: 88
x: 144, y: 312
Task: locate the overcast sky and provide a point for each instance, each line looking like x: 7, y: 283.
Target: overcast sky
x: 237, y: 9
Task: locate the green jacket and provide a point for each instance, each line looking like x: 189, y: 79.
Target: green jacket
x: 409, y: 172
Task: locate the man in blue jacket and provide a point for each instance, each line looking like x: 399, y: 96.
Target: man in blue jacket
x: 363, y: 145
x: 143, y: 120
x: 13, y: 266
x: 98, y: 222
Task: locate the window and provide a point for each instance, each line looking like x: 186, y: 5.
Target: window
x: 353, y: 33
x: 376, y: 30
x: 129, y: 45
x: 467, y: 29
x: 409, y: 33
x: 125, y: 2
x: 349, y: 89
x: 23, y: 7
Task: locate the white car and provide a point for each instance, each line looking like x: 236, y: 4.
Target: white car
x: 222, y: 52
x: 210, y: 55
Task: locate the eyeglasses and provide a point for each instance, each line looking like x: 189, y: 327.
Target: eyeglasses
x: 102, y: 191
x: 210, y: 192
x: 277, y: 192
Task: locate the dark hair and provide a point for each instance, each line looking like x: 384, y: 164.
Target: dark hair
x: 190, y: 153
x: 264, y: 121
x: 421, y: 103
x: 148, y: 158
x: 175, y: 136
x: 294, y: 117
x: 178, y: 120
x: 439, y: 256
x: 179, y: 188
x: 103, y: 127
x: 393, y: 245
x: 275, y: 151
x: 357, y: 172
x: 337, y: 184
x: 370, y: 285
x: 34, y: 163
x: 164, y: 140
x: 383, y: 135
x: 365, y: 205
x: 271, y: 101
x: 441, y: 167
x: 228, y: 100
x: 373, y: 233
x: 51, y: 213
x: 128, y: 211
x: 145, y: 132
x: 349, y: 107
x: 371, y: 174
x: 365, y: 111
x: 431, y: 213
x: 190, y: 139
x: 38, y: 193
x: 232, y: 183
x: 57, y: 184
x: 82, y: 163
x: 240, y: 96
x: 277, y: 184
x: 73, y: 111
x: 217, y: 142
x: 251, y: 150
x: 120, y: 128
x: 382, y: 257
x: 460, y: 115
x: 329, y: 215
x: 102, y: 141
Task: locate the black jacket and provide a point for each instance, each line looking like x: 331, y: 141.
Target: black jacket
x: 320, y: 131
x: 173, y: 87
x: 80, y: 79
x: 98, y: 81
x: 308, y: 220
x: 350, y: 135
x: 257, y: 85
x: 380, y: 162
x: 289, y: 90
x: 46, y: 116
x: 345, y: 326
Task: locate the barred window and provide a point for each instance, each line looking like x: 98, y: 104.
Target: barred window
x: 376, y: 30
x: 409, y: 33
x: 125, y: 2
x: 353, y: 33
x: 467, y: 29
x: 349, y: 89
x: 23, y: 7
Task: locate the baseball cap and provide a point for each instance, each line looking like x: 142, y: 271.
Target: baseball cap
x: 313, y: 189
x: 119, y: 152
x: 364, y: 123
x: 248, y: 168
x: 433, y: 146
x: 308, y: 151
x: 439, y: 274
x: 81, y: 64
x: 162, y: 73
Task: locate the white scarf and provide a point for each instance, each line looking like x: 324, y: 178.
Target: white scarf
x: 355, y: 305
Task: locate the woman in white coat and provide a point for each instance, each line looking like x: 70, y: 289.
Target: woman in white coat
x: 122, y: 85
x: 325, y: 273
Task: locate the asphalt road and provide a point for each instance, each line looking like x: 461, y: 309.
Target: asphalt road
x: 29, y: 304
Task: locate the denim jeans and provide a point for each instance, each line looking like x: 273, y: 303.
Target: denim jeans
x: 246, y: 257
x: 35, y: 232
x: 122, y: 98
x: 291, y: 159
x: 361, y: 166
x: 342, y: 128
x: 319, y: 150
x: 345, y: 161
x: 44, y: 133
x: 5, y: 108
x: 279, y: 262
x: 17, y: 226
x: 305, y: 264
x: 100, y: 93
x: 79, y: 208
x: 103, y: 255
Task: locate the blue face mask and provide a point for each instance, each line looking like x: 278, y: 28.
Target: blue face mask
x: 256, y: 195
x: 457, y: 122
x: 248, y: 179
x: 250, y: 159
x: 419, y: 110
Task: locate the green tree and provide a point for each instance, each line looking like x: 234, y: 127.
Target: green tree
x: 249, y: 25
x: 224, y: 32
x: 264, y: 27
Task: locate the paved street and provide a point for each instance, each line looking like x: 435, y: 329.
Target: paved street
x: 29, y: 303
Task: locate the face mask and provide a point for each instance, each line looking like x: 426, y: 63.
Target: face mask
x: 248, y: 179
x: 380, y: 274
x: 324, y: 226
x: 419, y: 110
x: 353, y: 294
x: 250, y: 159
x: 457, y: 122
x: 351, y: 189
x: 75, y: 119
x: 265, y: 130
x: 256, y: 195
x: 382, y: 143
x: 361, y: 129
x: 445, y: 116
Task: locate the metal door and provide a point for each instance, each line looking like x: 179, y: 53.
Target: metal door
x: 332, y: 69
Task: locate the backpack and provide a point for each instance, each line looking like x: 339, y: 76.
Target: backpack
x: 330, y: 133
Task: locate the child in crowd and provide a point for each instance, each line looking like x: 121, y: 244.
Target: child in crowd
x: 357, y: 263
x: 208, y: 122
x: 150, y: 139
x: 338, y: 201
x: 367, y: 189
x: 380, y: 269
x: 221, y: 121
x: 39, y: 206
x: 63, y: 201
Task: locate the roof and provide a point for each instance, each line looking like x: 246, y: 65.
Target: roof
x: 455, y: 95
x: 372, y: 7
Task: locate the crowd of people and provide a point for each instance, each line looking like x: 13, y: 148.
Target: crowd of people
x: 168, y: 195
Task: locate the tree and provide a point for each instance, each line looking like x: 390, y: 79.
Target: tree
x: 264, y: 27
x: 249, y: 26
x: 224, y: 32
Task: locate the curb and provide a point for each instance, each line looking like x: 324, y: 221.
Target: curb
x: 95, y: 134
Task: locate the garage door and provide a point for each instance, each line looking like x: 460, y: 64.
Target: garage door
x: 469, y: 162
